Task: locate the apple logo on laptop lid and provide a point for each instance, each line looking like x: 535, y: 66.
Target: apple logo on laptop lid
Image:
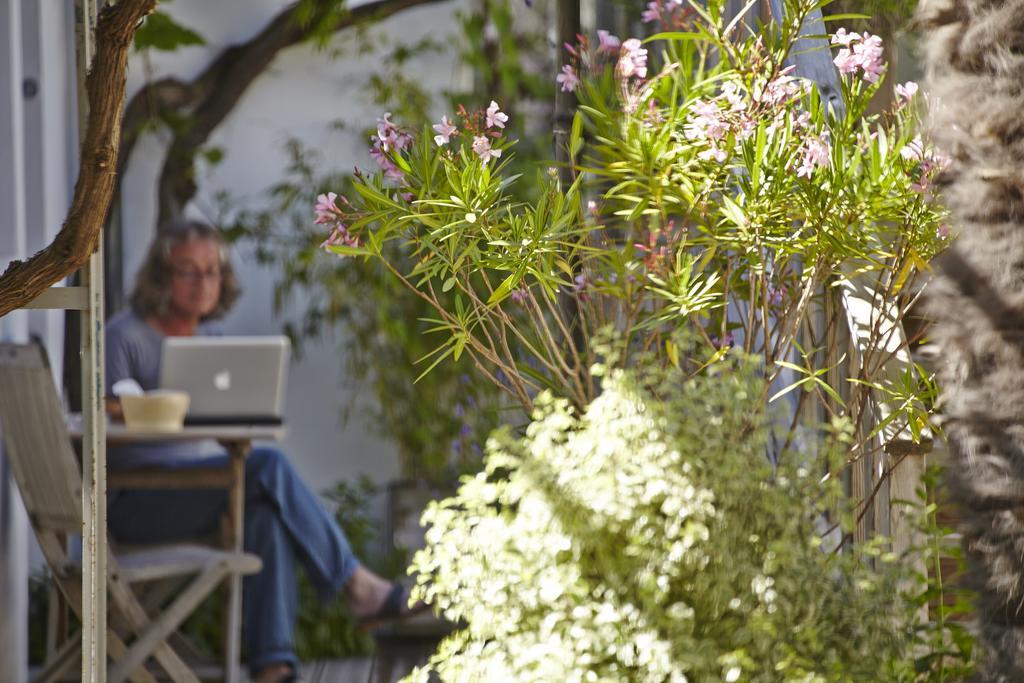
x: 222, y: 380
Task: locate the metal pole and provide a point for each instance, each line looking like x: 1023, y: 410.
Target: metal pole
x: 94, y: 461
x: 13, y: 327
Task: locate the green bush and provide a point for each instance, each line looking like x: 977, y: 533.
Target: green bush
x: 650, y: 539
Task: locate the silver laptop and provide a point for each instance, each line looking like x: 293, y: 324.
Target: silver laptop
x: 231, y: 380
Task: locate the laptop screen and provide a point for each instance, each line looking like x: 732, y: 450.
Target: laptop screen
x: 228, y: 379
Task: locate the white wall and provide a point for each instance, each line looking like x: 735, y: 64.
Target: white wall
x: 13, y: 327
x: 300, y: 95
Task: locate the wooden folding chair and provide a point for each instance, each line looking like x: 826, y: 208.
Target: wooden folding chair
x: 46, y: 471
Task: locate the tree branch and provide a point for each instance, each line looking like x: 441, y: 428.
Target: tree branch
x: 217, y: 90
x: 23, y: 281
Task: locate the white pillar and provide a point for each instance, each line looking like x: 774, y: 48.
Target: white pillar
x: 13, y: 534
x: 50, y: 143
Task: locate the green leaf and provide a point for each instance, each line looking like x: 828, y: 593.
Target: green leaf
x: 448, y: 350
x: 504, y: 289
x: 213, y: 155
x: 343, y: 250
x: 673, y: 352
x: 160, y: 32
x: 846, y: 17
x: 401, y: 162
x: 675, y: 35
x: 733, y: 212
x: 460, y: 344
x: 576, y: 135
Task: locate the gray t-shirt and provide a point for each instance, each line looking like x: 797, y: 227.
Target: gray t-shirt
x: 134, y: 351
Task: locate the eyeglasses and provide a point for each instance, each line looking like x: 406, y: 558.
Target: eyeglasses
x: 193, y: 275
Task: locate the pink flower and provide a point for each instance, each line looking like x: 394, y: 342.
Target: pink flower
x: 652, y: 13
x: 340, y: 235
x: 724, y: 342
x: 328, y: 213
x: 326, y: 209
x: 730, y: 91
x: 706, y: 122
x: 654, y: 116
x: 445, y: 130
x: 482, y: 148
x: 913, y: 150
x: 943, y: 231
x: 776, y: 295
x: 862, y: 52
x: 747, y: 127
x: 391, y: 171
x: 495, y: 117
x: 779, y: 90
x: 870, y: 53
x: 816, y: 153
x: 633, y: 60
x: 846, y: 62
x: 391, y: 135
x: 580, y: 284
x: 930, y: 163
x: 906, y: 91
x: 715, y: 153
x: 841, y: 37
x: 607, y: 42
x: 568, y: 79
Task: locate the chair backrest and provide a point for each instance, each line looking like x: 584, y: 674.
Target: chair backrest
x: 38, y: 446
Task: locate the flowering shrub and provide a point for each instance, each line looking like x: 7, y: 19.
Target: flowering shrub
x: 648, y: 539
x: 638, y: 531
x: 713, y: 190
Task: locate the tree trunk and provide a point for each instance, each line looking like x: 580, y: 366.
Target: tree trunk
x: 211, y: 97
x: 975, y: 69
x: 23, y: 281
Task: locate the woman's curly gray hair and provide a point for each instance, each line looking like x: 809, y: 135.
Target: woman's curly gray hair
x: 151, y: 295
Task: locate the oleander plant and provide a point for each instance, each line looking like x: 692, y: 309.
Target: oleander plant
x: 711, y: 189
x: 666, y: 307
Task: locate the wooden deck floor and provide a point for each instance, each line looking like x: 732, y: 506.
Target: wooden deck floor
x: 389, y: 665
x: 396, y: 656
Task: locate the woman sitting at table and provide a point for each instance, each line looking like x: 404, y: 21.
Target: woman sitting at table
x: 184, y: 285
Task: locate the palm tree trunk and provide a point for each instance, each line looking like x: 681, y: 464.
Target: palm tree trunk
x: 975, y: 58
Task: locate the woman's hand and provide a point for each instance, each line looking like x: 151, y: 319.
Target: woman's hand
x: 113, y: 407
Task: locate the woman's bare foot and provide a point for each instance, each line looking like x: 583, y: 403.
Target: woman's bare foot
x: 367, y: 592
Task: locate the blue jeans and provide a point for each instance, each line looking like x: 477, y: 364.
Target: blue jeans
x: 284, y: 524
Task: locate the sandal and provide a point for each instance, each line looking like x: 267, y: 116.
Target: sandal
x: 392, y: 609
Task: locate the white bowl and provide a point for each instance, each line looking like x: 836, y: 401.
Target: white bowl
x: 162, y: 410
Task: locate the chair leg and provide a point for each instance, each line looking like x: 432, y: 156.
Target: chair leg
x: 60, y: 659
x: 71, y: 651
x: 117, y: 648
x: 154, y: 634
x: 58, y: 618
x: 232, y: 636
x: 234, y: 527
x: 127, y: 611
x: 140, y: 623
